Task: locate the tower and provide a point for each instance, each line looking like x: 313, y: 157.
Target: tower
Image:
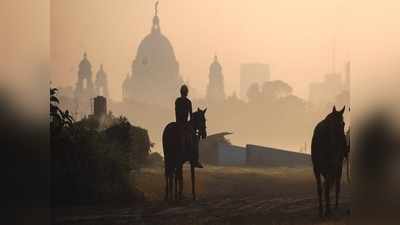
x: 101, y: 83
x: 215, y: 88
x: 125, y: 87
x: 84, y: 85
x: 84, y: 90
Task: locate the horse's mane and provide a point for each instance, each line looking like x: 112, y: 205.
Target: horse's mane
x: 330, y: 116
x: 194, y: 116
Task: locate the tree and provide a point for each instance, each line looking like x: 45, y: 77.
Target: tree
x: 58, y: 118
x: 253, y: 92
x: 273, y: 90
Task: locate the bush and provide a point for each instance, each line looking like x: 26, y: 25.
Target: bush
x: 155, y: 160
x: 91, y: 165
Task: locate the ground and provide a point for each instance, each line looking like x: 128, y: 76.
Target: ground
x: 226, y: 195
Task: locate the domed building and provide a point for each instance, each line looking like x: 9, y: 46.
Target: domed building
x: 155, y: 74
x: 101, y: 83
x: 84, y: 89
x: 215, y: 89
x: 84, y: 86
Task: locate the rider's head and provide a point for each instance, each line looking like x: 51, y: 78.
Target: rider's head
x: 184, y: 91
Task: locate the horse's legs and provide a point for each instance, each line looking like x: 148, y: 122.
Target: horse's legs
x: 166, y: 186
x: 327, y: 196
x: 180, y: 181
x: 338, y: 185
x: 319, y: 190
x: 171, y: 185
x: 176, y: 184
x: 192, y: 172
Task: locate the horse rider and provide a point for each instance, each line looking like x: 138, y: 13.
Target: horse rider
x: 183, y: 109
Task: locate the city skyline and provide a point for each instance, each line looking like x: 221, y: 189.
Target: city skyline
x: 284, y: 70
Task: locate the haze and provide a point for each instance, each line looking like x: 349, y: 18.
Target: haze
x: 295, y: 37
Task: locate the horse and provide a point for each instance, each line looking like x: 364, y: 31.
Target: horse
x: 175, y: 155
x: 328, y: 150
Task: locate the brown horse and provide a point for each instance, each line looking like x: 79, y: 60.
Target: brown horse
x: 175, y: 155
x: 328, y: 150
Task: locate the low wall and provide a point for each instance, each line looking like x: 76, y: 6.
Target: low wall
x: 231, y: 155
x: 259, y: 155
x: 253, y: 155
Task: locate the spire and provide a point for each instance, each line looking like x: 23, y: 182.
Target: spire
x: 156, y: 8
x: 84, y: 55
x: 156, y: 20
x: 334, y: 55
x: 101, y: 67
x: 215, y: 58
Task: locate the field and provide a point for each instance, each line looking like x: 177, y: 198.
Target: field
x: 226, y: 195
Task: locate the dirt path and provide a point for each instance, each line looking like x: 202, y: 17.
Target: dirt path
x: 228, y: 196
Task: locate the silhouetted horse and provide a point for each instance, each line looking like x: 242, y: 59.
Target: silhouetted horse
x: 175, y: 156
x: 328, y: 149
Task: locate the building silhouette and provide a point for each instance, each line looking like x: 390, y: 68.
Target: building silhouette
x: 252, y: 73
x: 155, y: 74
x: 84, y: 89
x: 215, y: 88
x: 333, y: 89
x: 101, y: 83
x: 84, y: 86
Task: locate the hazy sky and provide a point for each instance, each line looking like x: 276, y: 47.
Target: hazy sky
x: 294, y: 37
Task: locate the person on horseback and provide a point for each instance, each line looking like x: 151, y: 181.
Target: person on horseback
x: 183, y: 110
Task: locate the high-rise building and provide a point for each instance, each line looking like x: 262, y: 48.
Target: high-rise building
x: 252, y: 73
x: 155, y: 74
x: 215, y: 89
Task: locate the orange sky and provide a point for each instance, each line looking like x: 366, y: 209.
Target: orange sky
x: 294, y: 37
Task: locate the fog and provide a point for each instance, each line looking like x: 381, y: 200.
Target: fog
x: 295, y: 37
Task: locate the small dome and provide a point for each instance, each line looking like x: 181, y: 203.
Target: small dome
x: 215, y: 66
x: 101, y: 74
x: 126, y: 81
x: 85, y: 62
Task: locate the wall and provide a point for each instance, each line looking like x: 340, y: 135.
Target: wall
x: 253, y: 155
x: 229, y: 155
x: 258, y: 155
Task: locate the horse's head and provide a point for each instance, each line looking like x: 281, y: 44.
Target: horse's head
x: 199, y: 122
x: 336, y: 126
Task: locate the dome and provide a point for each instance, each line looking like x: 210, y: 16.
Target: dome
x: 215, y: 66
x: 155, y: 74
x: 101, y: 75
x: 85, y: 68
x: 155, y: 48
x: 85, y: 64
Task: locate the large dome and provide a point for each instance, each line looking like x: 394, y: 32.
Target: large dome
x: 155, y: 71
x: 155, y: 49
